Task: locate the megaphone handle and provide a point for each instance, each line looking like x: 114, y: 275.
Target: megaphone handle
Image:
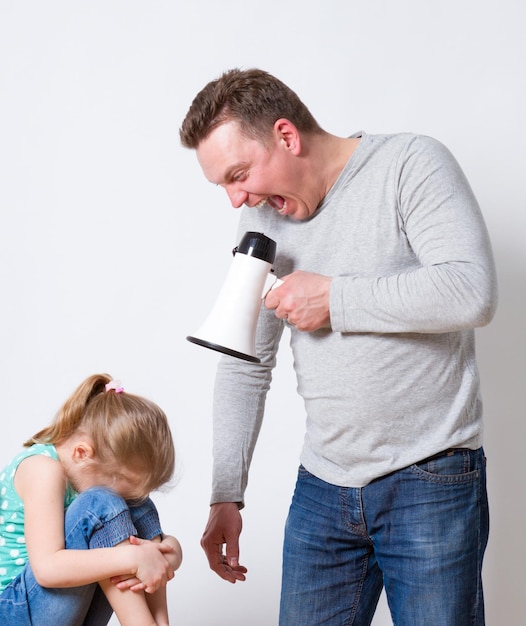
x: 271, y: 282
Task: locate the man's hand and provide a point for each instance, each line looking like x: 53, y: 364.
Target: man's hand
x: 224, y: 527
x: 303, y: 300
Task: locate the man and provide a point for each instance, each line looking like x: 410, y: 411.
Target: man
x: 387, y: 269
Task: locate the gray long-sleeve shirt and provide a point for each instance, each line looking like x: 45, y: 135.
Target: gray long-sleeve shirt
x: 394, y: 380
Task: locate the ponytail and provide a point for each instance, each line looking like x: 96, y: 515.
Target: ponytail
x: 70, y: 415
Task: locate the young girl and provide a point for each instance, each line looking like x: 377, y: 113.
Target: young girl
x: 79, y: 536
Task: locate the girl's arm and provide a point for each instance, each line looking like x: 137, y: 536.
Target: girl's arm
x: 41, y: 482
x: 174, y: 558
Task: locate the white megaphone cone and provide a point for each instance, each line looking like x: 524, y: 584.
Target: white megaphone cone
x: 231, y: 325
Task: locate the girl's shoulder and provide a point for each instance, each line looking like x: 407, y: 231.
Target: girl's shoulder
x: 9, y: 471
x: 42, y: 449
x: 7, y: 488
x: 36, y: 450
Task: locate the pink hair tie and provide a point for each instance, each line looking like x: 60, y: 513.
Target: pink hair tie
x: 114, y: 385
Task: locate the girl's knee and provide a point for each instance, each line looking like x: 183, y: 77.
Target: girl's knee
x: 97, y: 502
x: 101, y: 494
x: 98, y: 518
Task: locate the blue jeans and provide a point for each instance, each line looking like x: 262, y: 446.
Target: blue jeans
x: 97, y: 518
x: 420, y: 532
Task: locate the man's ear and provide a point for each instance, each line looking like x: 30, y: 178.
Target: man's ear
x: 288, y: 135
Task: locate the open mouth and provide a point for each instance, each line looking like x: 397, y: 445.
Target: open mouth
x: 278, y: 203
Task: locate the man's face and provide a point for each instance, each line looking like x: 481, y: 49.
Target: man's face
x: 253, y: 173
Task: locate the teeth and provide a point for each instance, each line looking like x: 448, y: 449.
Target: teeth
x: 261, y: 203
x: 283, y: 209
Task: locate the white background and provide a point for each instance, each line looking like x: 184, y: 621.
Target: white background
x: 113, y: 246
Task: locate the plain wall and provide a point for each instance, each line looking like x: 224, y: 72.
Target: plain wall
x: 113, y: 246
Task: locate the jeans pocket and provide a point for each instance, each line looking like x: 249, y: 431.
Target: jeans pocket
x: 456, y: 465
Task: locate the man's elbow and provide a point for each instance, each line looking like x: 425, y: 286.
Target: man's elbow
x: 484, y: 309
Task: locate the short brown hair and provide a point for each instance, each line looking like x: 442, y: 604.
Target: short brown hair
x: 253, y: 98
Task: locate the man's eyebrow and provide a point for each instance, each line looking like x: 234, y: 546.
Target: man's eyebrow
x: 232, y: 168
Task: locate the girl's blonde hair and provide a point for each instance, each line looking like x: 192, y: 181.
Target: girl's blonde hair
x: 126, y: 430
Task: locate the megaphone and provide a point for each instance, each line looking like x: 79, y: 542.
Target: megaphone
x: 230, y: 327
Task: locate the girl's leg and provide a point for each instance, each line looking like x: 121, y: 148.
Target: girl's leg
x: 25, y: 603
x: 100, y: 611
x: 131, y: 607
x: 106, y: 522
x: 96, y: 518
x: 146, y: 520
